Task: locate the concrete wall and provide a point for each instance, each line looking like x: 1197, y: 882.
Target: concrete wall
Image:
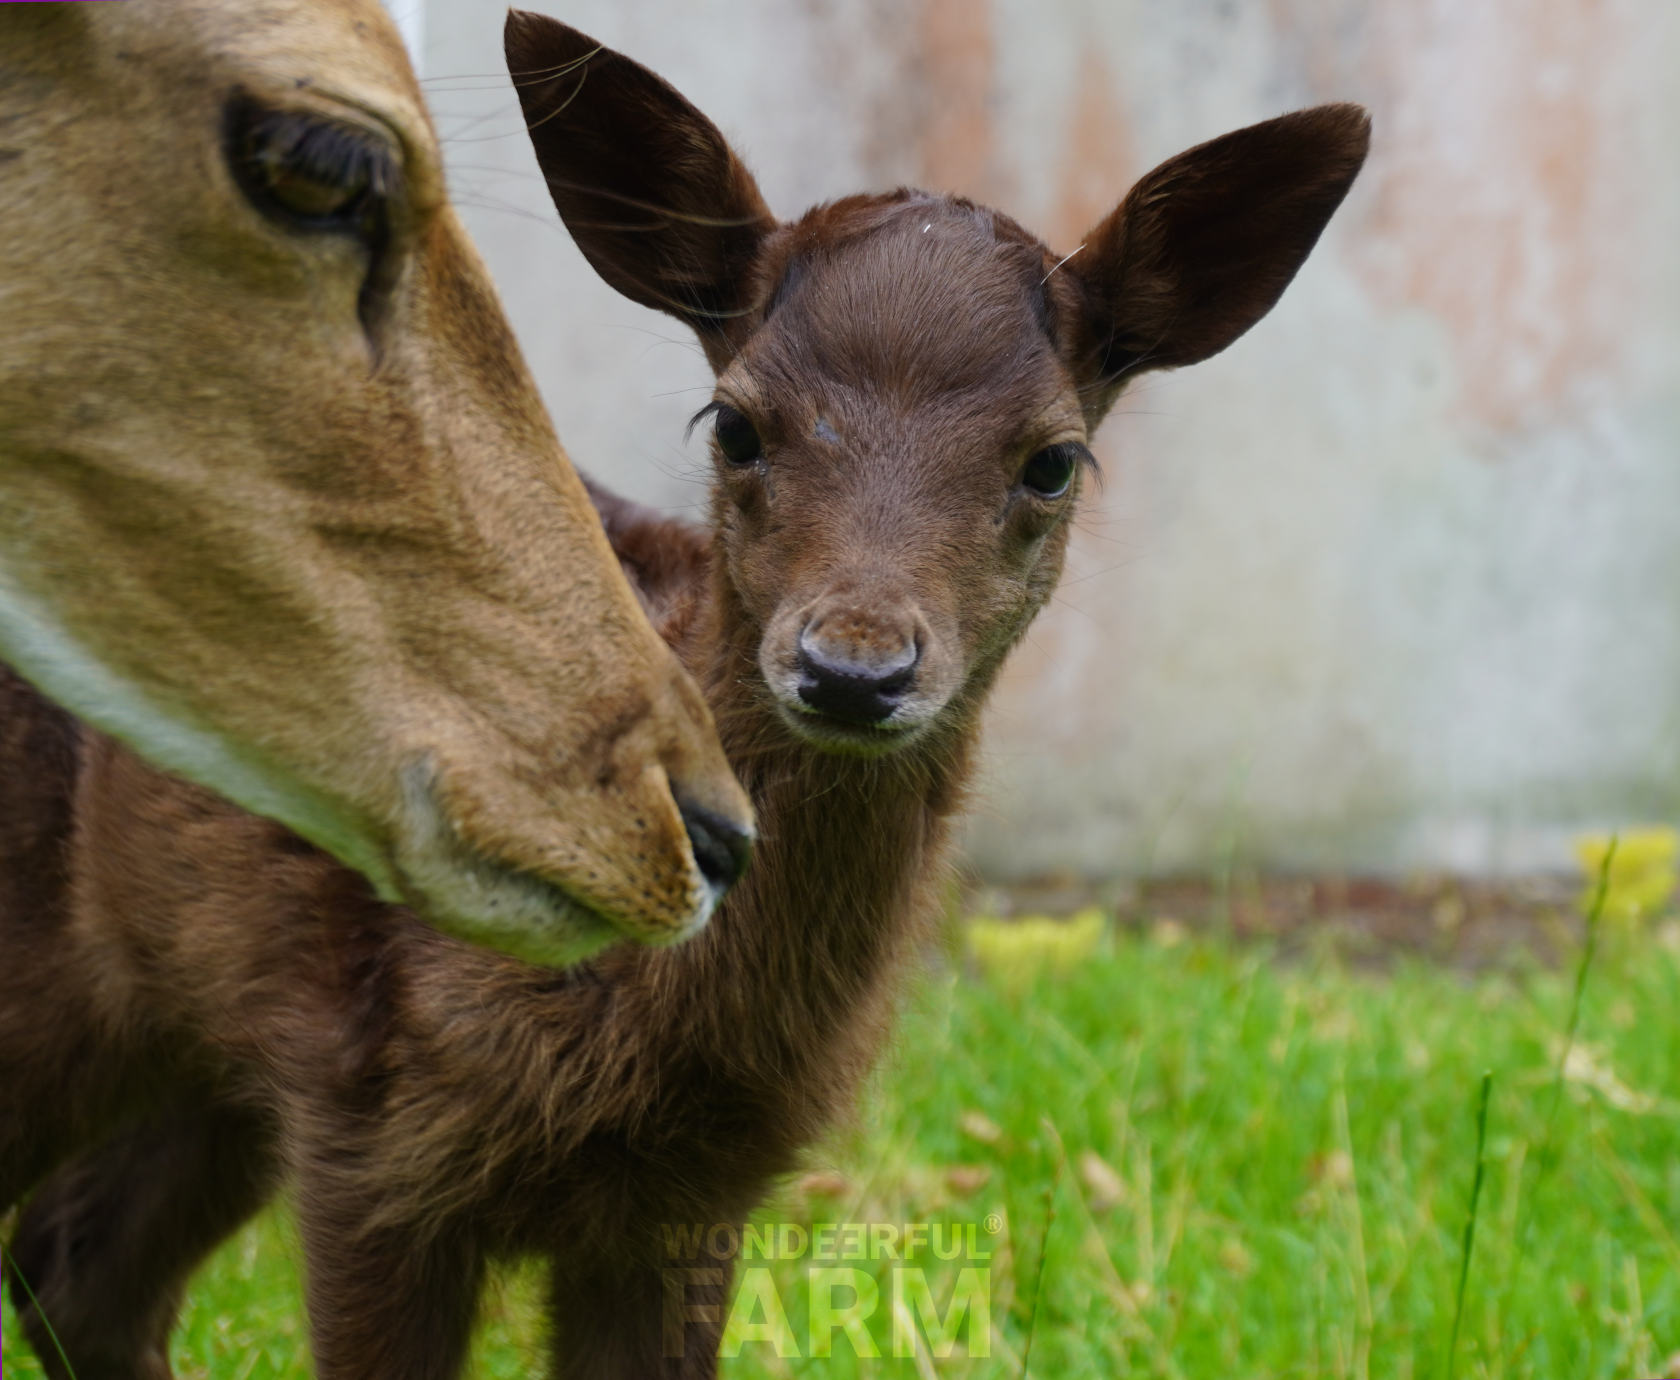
x: 1395, y: 582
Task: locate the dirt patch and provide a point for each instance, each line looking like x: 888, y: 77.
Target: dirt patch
x: 1467, y: 923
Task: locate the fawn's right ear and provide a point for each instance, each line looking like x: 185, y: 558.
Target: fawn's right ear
x: 648, y: 187
x: 1204, y: 245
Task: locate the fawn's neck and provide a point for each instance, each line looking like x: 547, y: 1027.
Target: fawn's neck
x: 792, y: 982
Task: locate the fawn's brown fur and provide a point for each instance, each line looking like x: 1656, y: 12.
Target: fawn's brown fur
x: 195, y: 1006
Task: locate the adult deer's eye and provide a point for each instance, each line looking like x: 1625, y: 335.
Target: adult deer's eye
x: 737, y: 438
x: 309, y: 172
x: 1050, y: 471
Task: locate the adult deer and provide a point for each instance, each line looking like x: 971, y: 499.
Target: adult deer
x: 279, y: 504
x: 905, y: 390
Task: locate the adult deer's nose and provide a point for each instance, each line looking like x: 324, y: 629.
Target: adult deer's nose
x: 852, y: 684
x: 722, y: 846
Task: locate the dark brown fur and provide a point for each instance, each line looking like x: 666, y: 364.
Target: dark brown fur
x: 194, y: 1006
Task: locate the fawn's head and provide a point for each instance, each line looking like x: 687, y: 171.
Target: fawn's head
x: 907, y: 383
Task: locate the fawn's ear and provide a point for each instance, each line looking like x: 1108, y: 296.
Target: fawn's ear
x: 648, y: 187
x: 1205, y: 244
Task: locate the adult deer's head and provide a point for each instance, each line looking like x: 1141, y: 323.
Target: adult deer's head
x: 279, y: 504
x: 906, y: 383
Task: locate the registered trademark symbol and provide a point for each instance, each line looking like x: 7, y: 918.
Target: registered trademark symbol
x: 994, y: 1224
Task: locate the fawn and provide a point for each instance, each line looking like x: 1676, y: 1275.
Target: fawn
x: 197, y: 1007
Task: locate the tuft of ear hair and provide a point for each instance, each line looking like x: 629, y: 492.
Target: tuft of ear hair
x: 647, y: 185
x: 1203, y: 246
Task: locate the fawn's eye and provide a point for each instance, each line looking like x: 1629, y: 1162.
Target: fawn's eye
x: 1050, y: 471
x: 737, y: 438
x: 311, y: 173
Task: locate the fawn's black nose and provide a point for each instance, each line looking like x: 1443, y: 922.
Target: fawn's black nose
x: 854, y: 690
x: 721, y: 846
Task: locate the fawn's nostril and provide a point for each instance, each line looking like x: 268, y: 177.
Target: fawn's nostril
x: 859, y: 692
x: 721, y: 846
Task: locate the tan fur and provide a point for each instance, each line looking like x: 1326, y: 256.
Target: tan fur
x: 210, y: 1007
x: 340, y: 571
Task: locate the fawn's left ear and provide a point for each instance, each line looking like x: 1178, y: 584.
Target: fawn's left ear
x: 1204, y: 245
x: 647, y: 185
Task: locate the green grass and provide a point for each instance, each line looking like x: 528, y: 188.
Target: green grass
x: 1208, y: 1164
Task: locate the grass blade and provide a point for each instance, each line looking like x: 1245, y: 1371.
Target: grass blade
x: 1043, y: 1243
x: 1595, y: 916
x: 17, y: 1274
x: 1470, y: 1222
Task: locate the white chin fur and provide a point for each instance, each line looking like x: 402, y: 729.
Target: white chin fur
x: 475, y: 899
x: 829, y: 735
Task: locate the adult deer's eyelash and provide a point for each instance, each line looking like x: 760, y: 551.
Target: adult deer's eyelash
x: 308, y: 171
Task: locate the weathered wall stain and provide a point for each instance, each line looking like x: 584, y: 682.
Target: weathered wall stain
x: 1095, y: 156
x: 954, y: 90
x: 1500, y: 196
